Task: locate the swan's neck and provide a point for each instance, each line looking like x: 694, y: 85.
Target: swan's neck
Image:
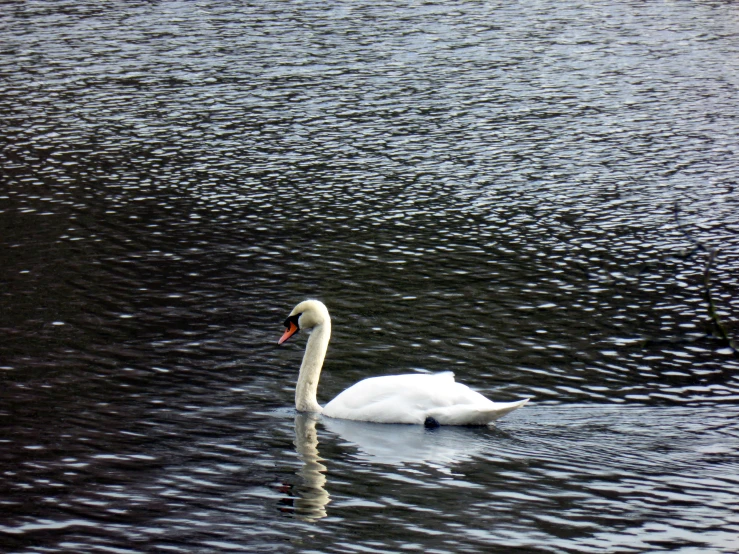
x: 310, y: 369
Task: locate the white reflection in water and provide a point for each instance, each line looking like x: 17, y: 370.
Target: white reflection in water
x: 392, y: 444
x: 403, y: 444
x: 312, y: 498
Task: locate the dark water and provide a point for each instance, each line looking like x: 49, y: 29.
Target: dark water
x: 483, y: 187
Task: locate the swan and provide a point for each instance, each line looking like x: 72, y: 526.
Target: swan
x: 426, y: 399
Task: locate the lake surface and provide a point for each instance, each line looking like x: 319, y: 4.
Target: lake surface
x: 526, y: 193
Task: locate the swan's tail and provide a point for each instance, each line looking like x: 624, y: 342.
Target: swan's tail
x: 502, y: 409
x: 464, y: 414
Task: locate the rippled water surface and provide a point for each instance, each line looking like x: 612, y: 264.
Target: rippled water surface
x: 540, y: 196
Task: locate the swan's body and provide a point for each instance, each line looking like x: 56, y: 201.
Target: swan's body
x: 415, y: 398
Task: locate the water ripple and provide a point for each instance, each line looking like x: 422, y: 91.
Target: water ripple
x: 479, y: 188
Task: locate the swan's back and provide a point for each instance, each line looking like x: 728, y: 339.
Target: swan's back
x: 415, y: 397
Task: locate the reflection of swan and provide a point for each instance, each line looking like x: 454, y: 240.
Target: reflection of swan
x: 428, y: 399
x: 409, y: 443
x: 310, y: 502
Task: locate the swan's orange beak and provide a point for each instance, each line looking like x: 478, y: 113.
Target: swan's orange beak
x: 289, y: 332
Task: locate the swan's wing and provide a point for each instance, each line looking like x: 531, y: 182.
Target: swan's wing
x: 390, y: 399
x: 413, y: 398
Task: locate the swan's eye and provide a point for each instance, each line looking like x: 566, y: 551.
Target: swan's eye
x: 292, y: 327
x: 292, y: 319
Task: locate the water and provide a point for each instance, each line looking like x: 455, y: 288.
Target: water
x: 488, y: 188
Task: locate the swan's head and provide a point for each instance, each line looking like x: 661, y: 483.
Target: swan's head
x: 306, y: 315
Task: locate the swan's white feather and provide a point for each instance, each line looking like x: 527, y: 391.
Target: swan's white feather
x: 412, y: 398
x: 392, y: 399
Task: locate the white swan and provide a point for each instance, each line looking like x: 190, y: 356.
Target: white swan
x: 431, y: 400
